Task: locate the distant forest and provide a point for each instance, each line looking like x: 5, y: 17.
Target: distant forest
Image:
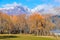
x: 25, y: 24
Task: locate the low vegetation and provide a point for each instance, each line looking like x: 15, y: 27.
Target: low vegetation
x: 24, y: 37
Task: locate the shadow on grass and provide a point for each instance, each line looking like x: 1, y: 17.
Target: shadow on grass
x: 5, y: 37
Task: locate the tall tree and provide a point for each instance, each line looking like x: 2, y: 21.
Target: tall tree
x: 38, y: 24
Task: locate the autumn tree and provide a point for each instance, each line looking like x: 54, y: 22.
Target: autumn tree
x: 38, y: 24
x: 34, y: 24
x: 22, y: 23
x: 5, y: 23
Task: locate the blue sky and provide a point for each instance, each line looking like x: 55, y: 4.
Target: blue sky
x: 31, y: 3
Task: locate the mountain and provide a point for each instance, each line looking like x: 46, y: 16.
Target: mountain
x: 42, y: 9
x: 56, y: 20
x: 16, y: 10
x: 47, y: 9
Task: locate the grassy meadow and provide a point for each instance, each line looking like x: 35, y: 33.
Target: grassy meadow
x: 25, y: 37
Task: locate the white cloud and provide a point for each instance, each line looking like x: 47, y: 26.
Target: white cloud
x: 11, y: 5
x: 57, y: 1
x: 43, y: 6
x: 46, y: 9
x: 7, y: 8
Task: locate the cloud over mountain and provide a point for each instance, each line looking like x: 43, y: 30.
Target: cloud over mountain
x: 16, y: 8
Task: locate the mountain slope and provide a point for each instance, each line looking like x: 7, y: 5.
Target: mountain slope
x: 42, y: 9
x: 16, y: 10
x: 47, y: 9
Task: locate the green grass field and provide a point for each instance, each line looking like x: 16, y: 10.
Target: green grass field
x: 24, y: 37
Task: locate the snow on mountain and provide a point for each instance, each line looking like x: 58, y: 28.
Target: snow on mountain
x: 46, y: 9
x: 15, y: 10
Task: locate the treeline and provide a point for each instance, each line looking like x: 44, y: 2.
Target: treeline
x: 32, y: 24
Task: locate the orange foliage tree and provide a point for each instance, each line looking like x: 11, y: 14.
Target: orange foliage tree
x: 38, y: 24
x: 35, y: 23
